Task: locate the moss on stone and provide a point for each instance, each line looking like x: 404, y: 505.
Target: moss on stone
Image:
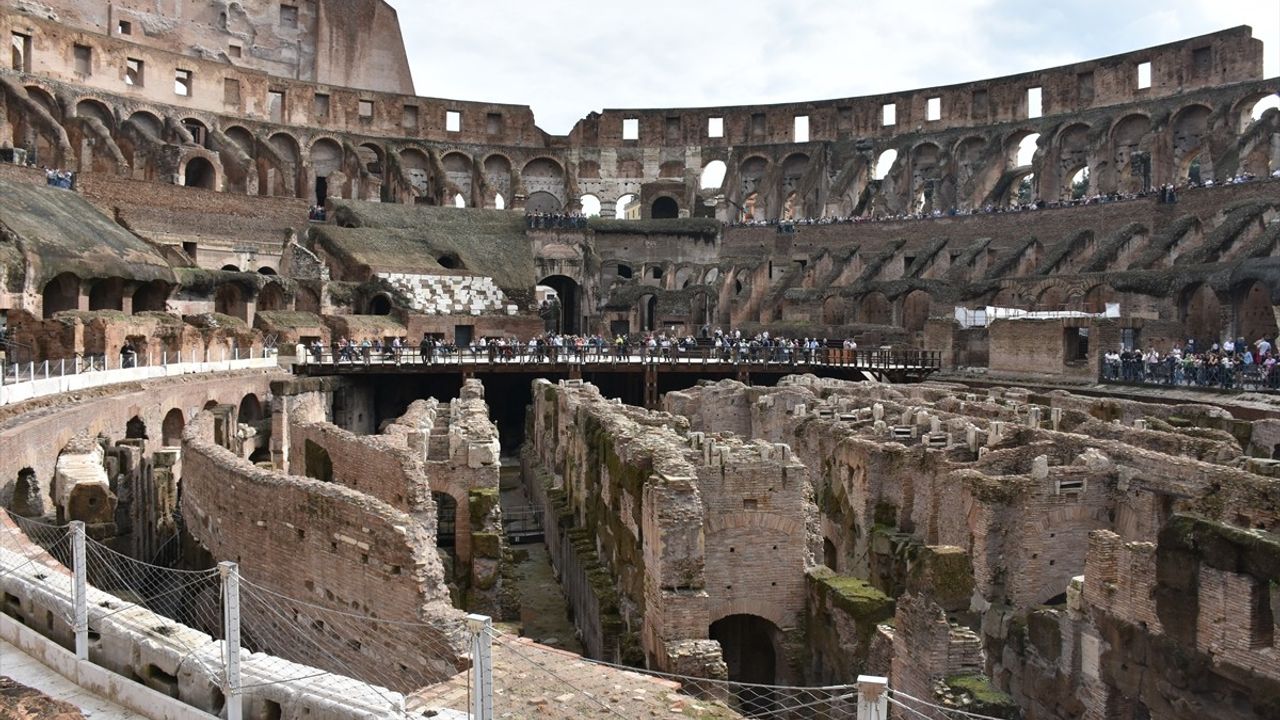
x: 486, y: 545
x: 481, y: 502
x: 985, y: 698
x: 864, y: 603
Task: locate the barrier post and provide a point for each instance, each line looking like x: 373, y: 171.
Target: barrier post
x: 481, y: 667
x: 80, y: 589
x: 230, y: 573
x: 873, y: 697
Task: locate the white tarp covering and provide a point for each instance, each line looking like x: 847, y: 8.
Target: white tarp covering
x: 982, y: 317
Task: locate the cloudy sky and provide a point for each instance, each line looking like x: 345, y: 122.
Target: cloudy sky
x: 566, y: 59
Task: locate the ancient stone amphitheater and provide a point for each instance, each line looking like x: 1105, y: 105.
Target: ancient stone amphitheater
x: 222, y: 498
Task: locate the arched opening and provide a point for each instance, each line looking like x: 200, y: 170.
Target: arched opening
x: 306, y: 300
x: 1202, y: 315
x: 26, y: 494
x: 228, y: 300
x: 829, y: 556
x: 326, y: 159
x: 915, y: 311
x: 1022, y: 191
x: 171, y: 428
x: 627, y: 207
x: 230, y: 268
x: 1025, y: 155
x: 250, y: 409
x: 664, y: 208
x: 1254, y: 315
x: 211, y: 404
x: 151, y: 297
x: 60, y: 293
x: 875, y: 309
x: 789, y: 207
x: 459, y: 201
x: 199, y: 132
x: 749, y: 646
x: 267, y: 270
x: 200, y: 173
x: 316, y: 462
x: 89, y: 108
x: 713, y: 175
x: 135, y: 429
x: 380, y: 304
x: 446, y: 520
x: 272, y: 298
x: 107, y: 294
x: 624, y: 271
x: 417, y: 169
x: 499, y: 202
x: 884, y: 164
x: 567, y: 320
x: 702, y: 308
x: 1270, y: 102
x: 749, y: 209
x: 590, y: 205
x: 833, y: 311
x: 1079, y: 187
x: 1051, y: 299
x: 648, y: 308
x: 542, y: 202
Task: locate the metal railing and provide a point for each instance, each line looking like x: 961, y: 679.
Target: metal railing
x: 24, y: 381
x: 1194, y: 375
x: 880, y: 359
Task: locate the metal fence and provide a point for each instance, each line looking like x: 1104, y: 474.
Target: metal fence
x: 266, y: 654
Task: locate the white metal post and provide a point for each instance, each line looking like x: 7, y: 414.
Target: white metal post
x: 230, y: 573
x: 80, y: 590
x: 481, y: 667
x: 873, y: 697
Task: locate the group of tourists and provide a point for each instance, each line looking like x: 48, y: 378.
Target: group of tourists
x: 64, y: 179
x: 552, y: 347
x: 1231, y: 364
x: 1165, y: 194
x: 316, y: 213
x: 555, y: 221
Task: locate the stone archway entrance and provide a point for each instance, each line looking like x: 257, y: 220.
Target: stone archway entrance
x: 569, y: 320
x: 750, y: 649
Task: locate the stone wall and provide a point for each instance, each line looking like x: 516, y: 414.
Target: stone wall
x: 334, y: 547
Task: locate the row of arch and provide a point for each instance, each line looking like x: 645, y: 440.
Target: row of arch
x: 1245, y: 310
x: 64, y: 291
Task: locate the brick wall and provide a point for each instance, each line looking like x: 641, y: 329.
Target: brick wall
x: 330, y: 546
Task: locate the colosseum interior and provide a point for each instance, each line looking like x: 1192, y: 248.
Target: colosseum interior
x: 807, y: 410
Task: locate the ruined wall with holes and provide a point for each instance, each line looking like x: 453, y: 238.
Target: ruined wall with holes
x: 979, y: 513
x: 670, y: 531
x: 338, y: 548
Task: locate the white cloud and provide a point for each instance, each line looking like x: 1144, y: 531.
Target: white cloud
x: 566, y: 59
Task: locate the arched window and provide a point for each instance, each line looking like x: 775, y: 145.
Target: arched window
x: 713, y: 175
x: 885, y: 163
x: 590, y: 205
x: 664, y: 208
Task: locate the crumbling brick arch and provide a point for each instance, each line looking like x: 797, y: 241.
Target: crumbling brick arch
x: 915, y: 310
x: 926, y: 177
x: 1130, y: 138
x: 250, y: 410
x: 834, y: 310
x: 544, y: 174
x: 1200, y: 310
x: 107, y: 294
x: 497, y: 180
x: 201, y: 171
x: 62, y: 292
x: 415, y: 166
x: 1074, y: 151
x: 1009, y: 296
x: 1252, y: 311
x: 751, y: 172
x: 459, y: 176
x: 171, y: 427
x: 326, y: 161
x: 272, y: 297
x: 1188, y: 135
x: 228, y: 299
x: 874, y: 309
x: 280, y: 166
x: 94, y: 107
x: 1051, y: 298
x: 151, y: 296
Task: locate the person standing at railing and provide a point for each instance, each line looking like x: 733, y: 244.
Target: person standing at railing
x: 128, y: 356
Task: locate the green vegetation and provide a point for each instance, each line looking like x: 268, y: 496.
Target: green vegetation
x: 985, y: 698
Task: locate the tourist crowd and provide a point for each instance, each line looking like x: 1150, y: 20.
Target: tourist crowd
x: 1229, y: 365
x: 316, y: 213
x: 555, y: 221
x: 64, y: 179
x: 555, y: 347
x: 1165, y: 194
